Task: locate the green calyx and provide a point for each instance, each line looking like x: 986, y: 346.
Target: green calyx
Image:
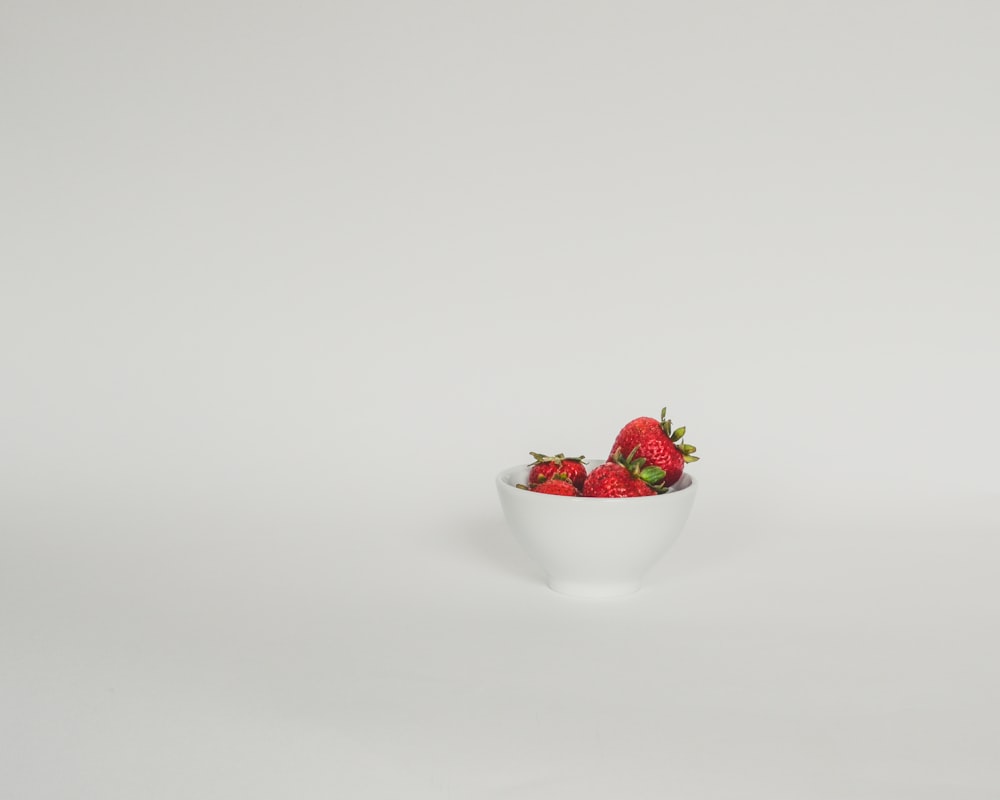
x: 555, y: 476
x: 676, y: 435
x: 686, y: 451
x: 557, y: 459
x: 652, y: 476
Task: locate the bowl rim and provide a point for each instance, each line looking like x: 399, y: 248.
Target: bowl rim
x: 503, y: 485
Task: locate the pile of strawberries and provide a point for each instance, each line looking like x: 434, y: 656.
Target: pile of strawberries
x: 647, y: 458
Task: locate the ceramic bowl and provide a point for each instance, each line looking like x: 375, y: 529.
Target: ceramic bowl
x: 594, y: 547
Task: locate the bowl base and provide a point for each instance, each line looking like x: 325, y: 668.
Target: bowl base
x: 578, y: 589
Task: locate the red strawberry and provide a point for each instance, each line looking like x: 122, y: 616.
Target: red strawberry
x: 623, y: 476
x: 556, y: 486
x: 569, y: 469
x: 552, y: 486
x: 658, y: 444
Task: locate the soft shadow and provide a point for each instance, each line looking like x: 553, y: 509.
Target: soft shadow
x: 488, y: 541
x: 715, y: 538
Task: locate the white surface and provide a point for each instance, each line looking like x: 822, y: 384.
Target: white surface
x: 593, y: 547
x: 251, y: 251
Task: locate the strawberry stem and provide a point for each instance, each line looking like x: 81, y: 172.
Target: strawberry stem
x: 557, y: 459
x: 676, y: 435
x: 652, y: 476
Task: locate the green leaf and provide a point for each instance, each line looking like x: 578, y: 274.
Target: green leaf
x: 690, y: 459
x: 679, y: 433
x: 652, y: 475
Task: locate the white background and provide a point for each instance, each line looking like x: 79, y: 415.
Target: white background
x: 284, y: 285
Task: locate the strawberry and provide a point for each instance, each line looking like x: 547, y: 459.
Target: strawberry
x: 552, y: 486
x: 657, y: 443
x: 556, y: 486
x: 623, y: 476
x: 545, y: 467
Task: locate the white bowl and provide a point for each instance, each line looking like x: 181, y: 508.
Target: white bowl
x: 589, y: 546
